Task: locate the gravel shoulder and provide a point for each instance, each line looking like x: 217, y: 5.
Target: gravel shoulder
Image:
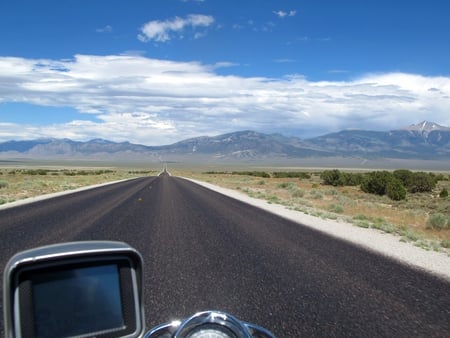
x: 437, y: 263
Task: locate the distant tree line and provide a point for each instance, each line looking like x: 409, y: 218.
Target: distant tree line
x: 393, y: 184
x: 264, y: 174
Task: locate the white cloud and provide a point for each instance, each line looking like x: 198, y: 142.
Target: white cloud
x: 284, y: 60
x: 162, y: 31
x: 282, y: 14
x: 105, y: 29
x: 152, y: 101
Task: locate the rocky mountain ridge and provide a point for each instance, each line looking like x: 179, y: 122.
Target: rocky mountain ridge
x: 422, y: 141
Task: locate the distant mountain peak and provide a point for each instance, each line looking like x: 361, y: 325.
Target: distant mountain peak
x: 425, y: 140
x: 425, y: 127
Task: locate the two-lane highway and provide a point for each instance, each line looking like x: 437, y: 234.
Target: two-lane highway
x: 203, y: 250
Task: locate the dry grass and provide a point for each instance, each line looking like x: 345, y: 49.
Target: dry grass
x: 408, y: 219
x: 16, y: 184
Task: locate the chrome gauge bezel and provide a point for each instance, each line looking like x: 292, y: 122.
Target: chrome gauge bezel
x: 210, y: 319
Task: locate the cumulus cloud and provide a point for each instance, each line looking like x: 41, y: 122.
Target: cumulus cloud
x: 162, y: 31
x: 282, y: 14
x: 153, y: 101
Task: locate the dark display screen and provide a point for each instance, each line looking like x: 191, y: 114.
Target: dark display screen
x: 77, y: 301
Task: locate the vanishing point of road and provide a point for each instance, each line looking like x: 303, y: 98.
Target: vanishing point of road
x: 204, y: 251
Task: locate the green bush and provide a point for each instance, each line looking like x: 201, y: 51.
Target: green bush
x: 404, y: 175
x: 262, y: 174
x: 443, y: 193
x: 332, y: 177
x: 417, y: 181
x: 376, y: 182
x: 315, y: 194
x: 384, y: 183
x: 361, y: 217
x: 395, y: 190
x: 298, y: 193
x: 338, y: 178
x: 287, y: 185
x: 3, y: 184
x: 33, y: 172
x: 291, y: 174
x: 336, y: 208
x: 422, y: 182
x: 437, y: 221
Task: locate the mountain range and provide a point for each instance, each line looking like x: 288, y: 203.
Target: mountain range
x: 422, y: 141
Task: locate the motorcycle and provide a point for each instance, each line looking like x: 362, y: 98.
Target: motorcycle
x: 94, y: 289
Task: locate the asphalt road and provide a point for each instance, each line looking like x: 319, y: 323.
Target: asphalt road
x: 203, y: 250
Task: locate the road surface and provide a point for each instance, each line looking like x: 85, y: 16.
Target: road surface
x: 203, y: 250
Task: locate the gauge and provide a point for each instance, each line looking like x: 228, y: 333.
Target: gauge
x: 211, y: 331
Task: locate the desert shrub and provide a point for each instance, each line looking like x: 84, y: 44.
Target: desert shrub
x: 443, y: 193
x: 106, y: 171
x: 298, y: 193
x: 287, y: 185
x: 376, y: 182
x: 332, y: 177
x: 437, y: 221
x: 417, y: 181
x: 363, y: 224
x: 440, y: 177
x: 33, y: 172
x: 331, y: 192
x: 384, y: 183
x: 411, y: 235
x: 421, y: 182
x: 404, y: 175
x: 83, y: 172
x: 395, y: 190
x: 336, y: 208
x: 262, y: 174
x: 361, y: 217
x: 291, y: 174
x: 3, y: 184
x: 336, y: 178
x: 353, y: 179
x: 315, y: 194
x: 272, y: 199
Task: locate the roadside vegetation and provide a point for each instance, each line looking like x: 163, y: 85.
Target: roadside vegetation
x: 413, y: 205
x: 17, y: 184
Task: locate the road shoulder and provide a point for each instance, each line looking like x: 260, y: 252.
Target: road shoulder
x: 437, y: 263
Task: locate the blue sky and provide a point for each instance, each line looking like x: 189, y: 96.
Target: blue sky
x: 158, y: 71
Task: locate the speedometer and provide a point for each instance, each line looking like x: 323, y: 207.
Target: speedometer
x: 210, y: 331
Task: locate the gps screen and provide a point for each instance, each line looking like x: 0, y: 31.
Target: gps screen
x: 75, y: 302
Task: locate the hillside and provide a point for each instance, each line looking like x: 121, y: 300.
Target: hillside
x: 423, y: 141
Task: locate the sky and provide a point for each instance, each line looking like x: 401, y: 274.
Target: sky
x: 156, y: 72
